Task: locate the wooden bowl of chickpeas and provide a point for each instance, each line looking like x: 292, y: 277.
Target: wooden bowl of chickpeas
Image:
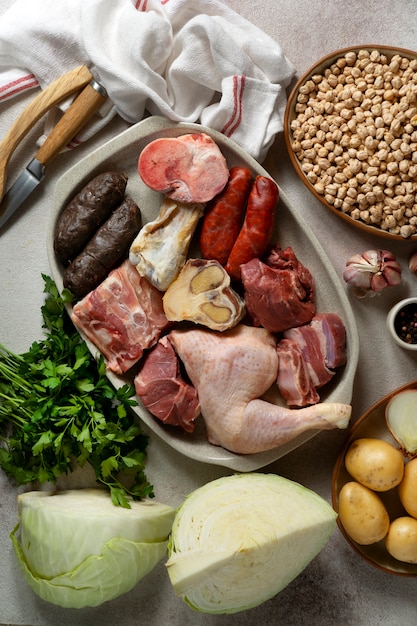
x: 371, y: 486
x: 351, y: 133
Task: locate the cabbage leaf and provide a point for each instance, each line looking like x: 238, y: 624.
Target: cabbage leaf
x: 76, y: 549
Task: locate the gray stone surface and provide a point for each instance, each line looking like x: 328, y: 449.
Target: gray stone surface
x: 337, y: 587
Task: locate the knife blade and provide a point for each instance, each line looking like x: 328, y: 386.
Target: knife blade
x: 80, y: 111
x: 63, y: 87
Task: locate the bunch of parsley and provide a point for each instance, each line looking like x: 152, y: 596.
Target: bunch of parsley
x: 57, y: 406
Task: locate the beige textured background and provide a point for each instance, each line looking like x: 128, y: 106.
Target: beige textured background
x: 337, y: 588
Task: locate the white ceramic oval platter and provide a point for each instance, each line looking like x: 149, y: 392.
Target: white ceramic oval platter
x: 121, y: 154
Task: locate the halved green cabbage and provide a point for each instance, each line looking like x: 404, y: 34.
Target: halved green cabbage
x: 76, y: 549
x: 239, y: 540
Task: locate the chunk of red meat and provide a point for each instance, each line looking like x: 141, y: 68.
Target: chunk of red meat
x: 163, y: 390
x: 188, y: 168
x: 279, y: 291
x: 293, y: 378
x: 332, y: 334
x: 123, y: 317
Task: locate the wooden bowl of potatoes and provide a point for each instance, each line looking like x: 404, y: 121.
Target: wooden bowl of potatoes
x: 369, y: 480
x: 351, y: 132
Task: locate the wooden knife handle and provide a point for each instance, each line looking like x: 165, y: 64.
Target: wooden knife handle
x: 57, y: 91
x: 80, y: 111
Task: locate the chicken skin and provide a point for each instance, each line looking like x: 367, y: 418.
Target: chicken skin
x: 231, y: 371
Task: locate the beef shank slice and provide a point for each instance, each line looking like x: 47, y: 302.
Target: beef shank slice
x: 188, y: 168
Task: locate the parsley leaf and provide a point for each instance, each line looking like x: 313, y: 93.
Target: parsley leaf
x: 57, y: 408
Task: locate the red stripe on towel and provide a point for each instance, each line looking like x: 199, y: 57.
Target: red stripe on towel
x: 236, y: 116
x: 17, y: 86
x: 141, y: 5
x: 73, y: 143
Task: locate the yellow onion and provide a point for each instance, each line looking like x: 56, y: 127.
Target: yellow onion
x: 371, y: 272
x: 401, y: 419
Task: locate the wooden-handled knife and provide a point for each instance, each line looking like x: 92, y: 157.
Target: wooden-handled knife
x: 80, y: 111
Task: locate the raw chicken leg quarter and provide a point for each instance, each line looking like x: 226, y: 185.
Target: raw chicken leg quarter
x: 231, y: 371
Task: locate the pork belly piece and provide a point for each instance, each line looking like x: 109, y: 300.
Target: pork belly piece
x: 279, y: 291
x: 123, y: 317
x: 308, y: 356
x: 332, y: 335
x: 163, y: 390
x: 231, y: 371
x: 188, y: 168
x: 308, y: 341
x: 293, y: 378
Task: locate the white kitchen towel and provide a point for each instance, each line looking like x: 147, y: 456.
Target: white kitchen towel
x: 188, y: 60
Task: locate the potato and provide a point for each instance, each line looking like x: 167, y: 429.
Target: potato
x: 362, y: 514
x: 375, y: 463
x: 407, y: 489
x: 401, y: 540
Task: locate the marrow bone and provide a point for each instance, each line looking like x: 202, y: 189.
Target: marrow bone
x: 202, y: 294
x: 160, y: 249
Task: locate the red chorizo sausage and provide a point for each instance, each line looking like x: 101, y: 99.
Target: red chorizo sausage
x: 255, y: 234
x: 224, y: 215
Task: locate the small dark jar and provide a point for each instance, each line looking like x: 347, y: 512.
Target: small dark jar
x: 402, y: 323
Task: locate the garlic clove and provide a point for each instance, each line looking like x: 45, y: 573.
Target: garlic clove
x: 392, y: 274
x: 358, y: 276
x: 371, y: 272
x: 378, y: 282
x: 412, y: 263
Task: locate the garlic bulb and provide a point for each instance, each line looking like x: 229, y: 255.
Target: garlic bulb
x: 370, y: 272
